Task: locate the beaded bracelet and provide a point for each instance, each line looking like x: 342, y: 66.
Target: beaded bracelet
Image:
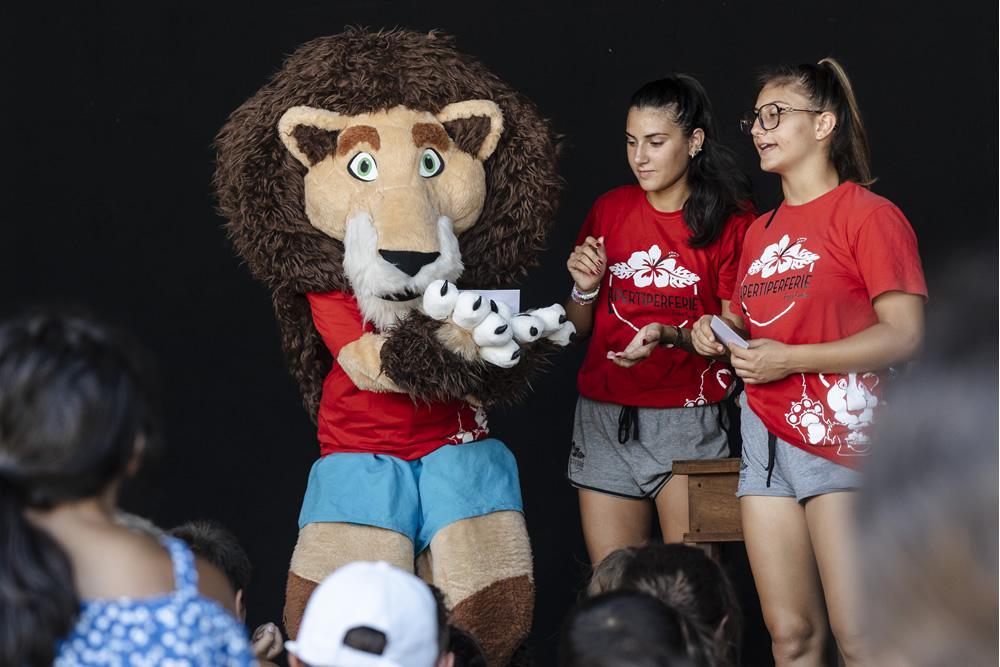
x: 584, y: 298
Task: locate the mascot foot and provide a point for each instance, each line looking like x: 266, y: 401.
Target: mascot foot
x: 297, y: 592
x: 483, y: 566
x: 498, y: 616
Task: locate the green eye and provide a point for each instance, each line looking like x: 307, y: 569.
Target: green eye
x: 362, y: 166
x: 430, y: 163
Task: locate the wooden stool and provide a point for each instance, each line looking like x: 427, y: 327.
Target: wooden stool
x: 713, y: 509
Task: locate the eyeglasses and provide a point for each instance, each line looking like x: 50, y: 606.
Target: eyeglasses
x: 769, y: 115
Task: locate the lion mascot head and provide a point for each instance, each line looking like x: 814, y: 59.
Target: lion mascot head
x: 377, y: 163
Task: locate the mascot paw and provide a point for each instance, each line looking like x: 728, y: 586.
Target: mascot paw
x: 440, y: 299
x: 481, y: 327
x: 527, y: 328
x: 550, y: 323
x: 564, y: 335
x: 505, y: 356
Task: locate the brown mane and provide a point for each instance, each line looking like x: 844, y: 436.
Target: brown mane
x: 260, y: 188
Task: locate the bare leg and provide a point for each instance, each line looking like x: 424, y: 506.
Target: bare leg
x: 611, y: 522
x: 672, y: 509
x: 483, y: 567
x: 788, y: 584
x: 832, y: 535
x: 323, y: 547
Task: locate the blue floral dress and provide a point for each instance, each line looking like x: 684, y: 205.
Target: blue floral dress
x: 179, y: 629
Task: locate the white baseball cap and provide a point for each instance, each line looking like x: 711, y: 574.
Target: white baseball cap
x: 372, y: 595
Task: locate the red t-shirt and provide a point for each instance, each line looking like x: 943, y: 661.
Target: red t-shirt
x: 654, y: 276
x: 810, y: 277
x: 355, y: 420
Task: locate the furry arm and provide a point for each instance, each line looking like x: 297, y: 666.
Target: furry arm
x: 416, y: 360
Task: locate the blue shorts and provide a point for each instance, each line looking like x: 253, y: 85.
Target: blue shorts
x: 416, y: 498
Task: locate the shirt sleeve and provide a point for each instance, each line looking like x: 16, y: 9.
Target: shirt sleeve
x: 730, y: 252
x: 735, y: 304
x: 337, y: 319
x: 885, y: 249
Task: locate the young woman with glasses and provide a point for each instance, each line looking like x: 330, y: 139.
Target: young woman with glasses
x: 830, y: 292
x: 651, y: 259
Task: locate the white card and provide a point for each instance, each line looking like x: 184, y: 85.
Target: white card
x: 725, y: 334
x: 509, y: 297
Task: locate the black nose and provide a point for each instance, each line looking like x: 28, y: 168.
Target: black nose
x: 407, y: 261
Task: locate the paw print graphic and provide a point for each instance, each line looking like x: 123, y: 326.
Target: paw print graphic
x: 807, y: 416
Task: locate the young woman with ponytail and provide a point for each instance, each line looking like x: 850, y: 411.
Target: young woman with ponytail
x: 650, y: 260
x: 76, y: 588
x: 830, y: 293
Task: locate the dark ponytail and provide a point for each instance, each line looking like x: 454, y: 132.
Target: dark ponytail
x: 37, y: 600
x: 719, y: 187
x: 74, y: 403
x: 827, y: 86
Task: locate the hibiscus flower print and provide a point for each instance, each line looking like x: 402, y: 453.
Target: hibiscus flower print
x: 651, y: 267
x: 780, y: 257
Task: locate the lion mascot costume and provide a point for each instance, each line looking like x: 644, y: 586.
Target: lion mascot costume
x: 371, y: 181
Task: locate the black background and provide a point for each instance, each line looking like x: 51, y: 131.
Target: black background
x: 109, y: 112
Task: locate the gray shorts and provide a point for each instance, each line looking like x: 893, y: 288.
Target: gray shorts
x: 639, y: 467
x: 797, y: 473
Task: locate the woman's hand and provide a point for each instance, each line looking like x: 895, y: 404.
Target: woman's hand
x: 703, y: 339
x: 587, y: 264
x: 764, y: 361
x: 642, y: 345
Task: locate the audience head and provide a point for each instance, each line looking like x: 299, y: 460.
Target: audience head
x: 76, y: 413
x: 686, y: 579
x: 371, y: 615
x: 927, y: 515
x: 625, y: 629
x: 219, y: 546
x: 466, y: 650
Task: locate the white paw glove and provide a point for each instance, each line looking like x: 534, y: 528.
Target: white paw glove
x: 486, y: 320
x: 553, y: 325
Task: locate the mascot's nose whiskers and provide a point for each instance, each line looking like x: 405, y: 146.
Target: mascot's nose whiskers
x: 408, y: 261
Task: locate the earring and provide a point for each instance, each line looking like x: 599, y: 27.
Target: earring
x: 695, y: 151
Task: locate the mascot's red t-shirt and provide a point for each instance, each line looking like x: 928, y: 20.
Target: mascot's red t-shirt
x: 654, y: 276
x: 810, y: 276
x: 355, y: 420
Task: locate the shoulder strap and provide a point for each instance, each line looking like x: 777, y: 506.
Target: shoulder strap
x: 773, y: 213
x: 185, y: 574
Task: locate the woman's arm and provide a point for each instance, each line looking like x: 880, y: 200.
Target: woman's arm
x: 654, y: 334
x: 896, y: 337
x: 586, y: 265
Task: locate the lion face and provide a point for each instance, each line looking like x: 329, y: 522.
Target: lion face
x: 396, y: 190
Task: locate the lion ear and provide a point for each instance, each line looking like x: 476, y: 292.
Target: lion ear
x: 475, y: 125
x: 310, y: 134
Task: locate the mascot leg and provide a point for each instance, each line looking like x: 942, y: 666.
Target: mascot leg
x: 483, y: 566
x: 323, y: 547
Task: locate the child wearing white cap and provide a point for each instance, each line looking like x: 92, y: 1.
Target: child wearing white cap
x: 371, y: 615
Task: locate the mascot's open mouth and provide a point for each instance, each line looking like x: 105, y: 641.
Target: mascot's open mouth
x: 406, y: 295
